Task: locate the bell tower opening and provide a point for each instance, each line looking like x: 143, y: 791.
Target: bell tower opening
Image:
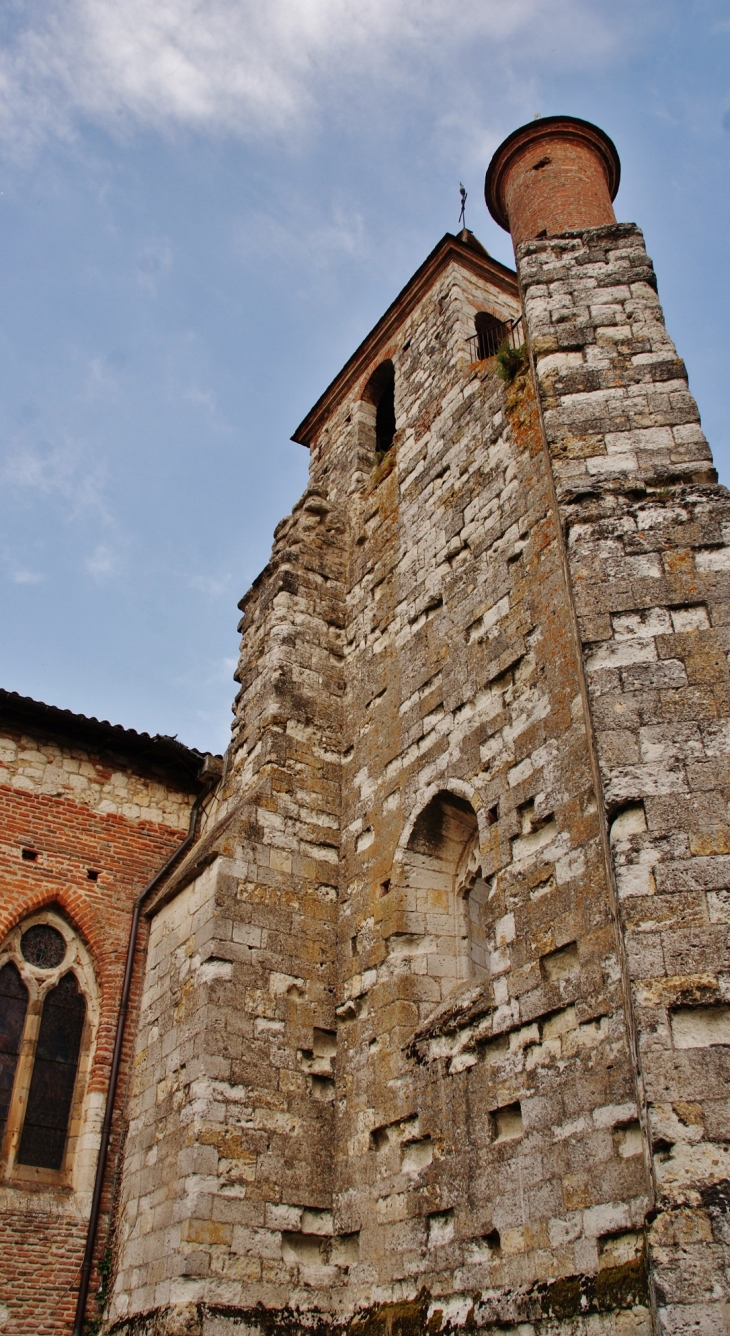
x: 490, y: 333
x: 381, y: 393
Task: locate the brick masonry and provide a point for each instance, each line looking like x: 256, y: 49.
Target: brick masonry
x: 555, y: 175
x: 77, y: 808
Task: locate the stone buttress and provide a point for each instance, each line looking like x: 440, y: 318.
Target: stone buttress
x: 435, y: 1027
x: 646, y: 533
x: 230, y: 1117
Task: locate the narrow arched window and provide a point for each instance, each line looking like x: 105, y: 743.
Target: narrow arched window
x: 46, y: 985
x: 478, y: 926
x: 380, y: 392
x: 13, y: 1006
x: 385, y: 418
x: 55, y: 1065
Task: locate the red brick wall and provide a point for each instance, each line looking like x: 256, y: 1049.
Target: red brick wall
x: 39, y: 1264
x: 42, y: 1232
x: 569, y: 190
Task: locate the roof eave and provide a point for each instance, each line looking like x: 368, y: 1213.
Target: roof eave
x: 165, y: 754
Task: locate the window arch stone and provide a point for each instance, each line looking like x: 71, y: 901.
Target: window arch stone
x: 49, y: 1009
x: 446, y: 913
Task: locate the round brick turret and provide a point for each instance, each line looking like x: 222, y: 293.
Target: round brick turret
x: 557, y: 174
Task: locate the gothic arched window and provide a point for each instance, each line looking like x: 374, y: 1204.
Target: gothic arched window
x: 13, y: 1006
x: 46, y: 988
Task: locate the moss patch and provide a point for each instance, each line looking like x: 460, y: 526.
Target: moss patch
x: 564, y: 1300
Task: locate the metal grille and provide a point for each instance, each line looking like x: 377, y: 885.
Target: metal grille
x: 54, y: 1075
x: 487, y: 342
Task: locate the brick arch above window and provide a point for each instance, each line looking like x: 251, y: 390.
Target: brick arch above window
x: 49, y: 1010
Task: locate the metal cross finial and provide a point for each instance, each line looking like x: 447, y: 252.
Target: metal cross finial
x: 462, y: 215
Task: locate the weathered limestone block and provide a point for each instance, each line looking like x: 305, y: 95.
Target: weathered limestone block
x: 614, y: 394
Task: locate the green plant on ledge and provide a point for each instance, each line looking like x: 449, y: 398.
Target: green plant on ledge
x: 509, y: 361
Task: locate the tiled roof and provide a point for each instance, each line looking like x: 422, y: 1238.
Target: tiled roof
x: 159, y: 751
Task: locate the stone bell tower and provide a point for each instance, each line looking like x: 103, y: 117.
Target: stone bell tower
x: 435, y: 1026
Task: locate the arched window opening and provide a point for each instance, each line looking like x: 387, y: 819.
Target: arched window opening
x: 46, y: 988
x: 13, y: 1006
x: 45, y: 1126
x: 380, y: 392
x: 490, y: 333
x: 444, y: 894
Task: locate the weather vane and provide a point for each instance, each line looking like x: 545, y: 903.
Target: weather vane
x: 462, y: 215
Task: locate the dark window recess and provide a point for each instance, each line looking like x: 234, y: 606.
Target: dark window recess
x: 13, y: 1003
x: 385, y: 421
x: 491, y: 332
x: 54, y: 1075
x: 43, y: 946
x: 381, y: 392
x: 92, y: 874
x: 30, y: 855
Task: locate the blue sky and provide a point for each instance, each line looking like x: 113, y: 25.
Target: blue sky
x: 205, y: 205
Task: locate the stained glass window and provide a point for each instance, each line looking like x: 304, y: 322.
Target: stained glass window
x: 45, y: 1128
x: 43, y: 946
x: 13, y: 1006
x: 43, y: 1019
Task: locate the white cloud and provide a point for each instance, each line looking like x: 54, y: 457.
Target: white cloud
x: 201, y: 398
x: 103, y: 562
x: 248, y: 68
x: 65, y: 467
x: 25, y: 577
x: 300, y: 241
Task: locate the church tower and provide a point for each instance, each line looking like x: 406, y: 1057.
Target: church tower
x: 435, y: 1021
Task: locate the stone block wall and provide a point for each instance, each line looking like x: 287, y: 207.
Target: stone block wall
x: 646, y: 534
x: 385, y: 1075
x: 486, y: 1141
x: 227, y: 1190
